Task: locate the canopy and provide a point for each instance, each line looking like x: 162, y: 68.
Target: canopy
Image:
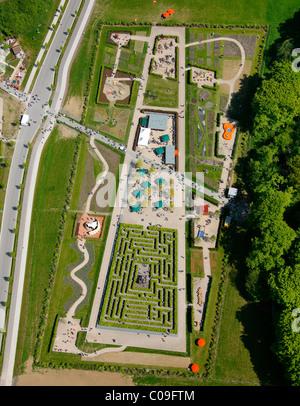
x: 146, y: 184
x: 201, y: 342
x: 159, y: 151
x: 158, y: 204
x: 160, y: 180
x: 135, y: 208
x: 165, y: 138
x: 136, y: 193
x: 144, y: 137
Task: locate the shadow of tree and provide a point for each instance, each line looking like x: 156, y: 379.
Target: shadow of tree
x: 258, y: 335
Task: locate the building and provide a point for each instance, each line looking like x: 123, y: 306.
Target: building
x: 232, y: 192
x: 158, y: 121
x: 144, y: 137
x: 170, y: 155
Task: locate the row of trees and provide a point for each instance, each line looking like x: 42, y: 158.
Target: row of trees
x: 271, y: 178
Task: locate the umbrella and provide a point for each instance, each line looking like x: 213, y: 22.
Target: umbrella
x: 201, y: 342
x: 165, y: 14
x: 171, y: 11
x: 195, y: 368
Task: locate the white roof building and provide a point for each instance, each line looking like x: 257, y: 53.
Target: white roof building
x: 232, y: 192
x: 144, y: 137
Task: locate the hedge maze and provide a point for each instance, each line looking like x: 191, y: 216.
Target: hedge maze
x: 141, y: 289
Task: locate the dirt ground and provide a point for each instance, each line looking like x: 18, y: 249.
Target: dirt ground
x: 73, y: 107
x: 72, y: 377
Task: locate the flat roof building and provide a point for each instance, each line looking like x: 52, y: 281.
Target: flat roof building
x: 158, y: 121
x: 170, y: 154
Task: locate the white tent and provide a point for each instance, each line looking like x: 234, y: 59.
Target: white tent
x: 25, y: 119
x: 232, y: 192
x: 144, y: 137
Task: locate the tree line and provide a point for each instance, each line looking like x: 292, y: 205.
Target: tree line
x: 270, y: 176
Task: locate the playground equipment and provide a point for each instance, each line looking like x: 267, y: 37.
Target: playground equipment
x: 228, y: 131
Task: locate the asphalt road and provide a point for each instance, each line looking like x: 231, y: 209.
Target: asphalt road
x: 36, y: 109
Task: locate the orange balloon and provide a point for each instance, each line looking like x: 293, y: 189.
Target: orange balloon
x: 195, y: 368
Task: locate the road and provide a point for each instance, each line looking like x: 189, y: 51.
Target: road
x: 36, y: 108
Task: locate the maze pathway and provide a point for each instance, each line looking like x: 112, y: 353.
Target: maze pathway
x: 141, y: 290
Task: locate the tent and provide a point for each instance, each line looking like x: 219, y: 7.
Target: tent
x: 165, y: 138
x: 137, y: 193
x: 135, y: 208
x: 146, y: 184
x: 200, y: 234
x: 144, y: 121
x: 160, y: 180
x: 144, y: 137
x: 201, y: 342
x: 142, y: 171
x: 159, y: 151
x: 158, y: 204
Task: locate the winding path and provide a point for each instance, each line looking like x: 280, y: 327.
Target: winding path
x: 69, y: 326
x: 230, y: 82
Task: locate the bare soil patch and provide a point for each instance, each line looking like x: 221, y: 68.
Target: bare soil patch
x: 73, y: 107
x: 45, y: 377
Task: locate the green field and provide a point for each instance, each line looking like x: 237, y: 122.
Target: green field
x: 200, y: 11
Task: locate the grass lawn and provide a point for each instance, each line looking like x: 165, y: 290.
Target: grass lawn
x: 233, y: 12
x: 161, y: 92
x: 244, y: 343
x: 48, y: 204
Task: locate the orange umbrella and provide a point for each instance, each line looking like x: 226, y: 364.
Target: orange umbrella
x: 171, y: 11
x: 201, y: 342
x: 195, y: 368
x: 166, y: 14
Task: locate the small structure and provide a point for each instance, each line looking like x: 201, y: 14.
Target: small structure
x: 17, y: 51
x: 159, y: 151
x: 228, y: 131
x: 135, y: 208
x: 25, y: 120
x: 227, y: 221
x: 158, y: 204
x: 232, y: 192
x: 144, y: 137
x: 170, y: 155
x: 201, y: 342
x: 90, y: 226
